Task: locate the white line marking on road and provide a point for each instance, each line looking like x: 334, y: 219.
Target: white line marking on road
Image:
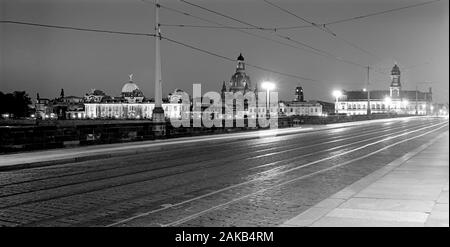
x: 316, y: 152
x: 327, y: 142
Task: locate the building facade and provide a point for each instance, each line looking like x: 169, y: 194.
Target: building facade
x: 64, y: 107
x: 392, y: 101
x: 298, y: 108
x: 131, y: 104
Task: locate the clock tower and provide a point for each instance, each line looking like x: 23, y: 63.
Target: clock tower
x: 395, y: 83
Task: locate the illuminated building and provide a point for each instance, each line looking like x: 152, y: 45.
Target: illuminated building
x: 131, y: 104
x: 393, y: 101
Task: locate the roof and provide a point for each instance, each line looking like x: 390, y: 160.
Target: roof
x: 321, y: 102
x: 240, y: 58
x: 129, y: 87
x: 361, y: 95
x: 299, y: 103
x: 72, y: 97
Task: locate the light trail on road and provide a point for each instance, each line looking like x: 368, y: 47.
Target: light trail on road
x: 190, y: 217
x: 320, y: 143
x: 290, y: 170
x: 175, y: 181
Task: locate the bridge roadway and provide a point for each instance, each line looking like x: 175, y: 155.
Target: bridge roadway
x: 254, y: 181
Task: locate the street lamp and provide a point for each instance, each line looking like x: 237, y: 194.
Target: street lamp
x: 267, y: 85
x: 337, y: 94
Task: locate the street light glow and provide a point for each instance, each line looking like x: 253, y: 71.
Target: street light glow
x: 267, y: 85
x: 387, y: 100
x: 337, y: 93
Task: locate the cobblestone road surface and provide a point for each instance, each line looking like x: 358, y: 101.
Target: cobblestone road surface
x: 243, y: 182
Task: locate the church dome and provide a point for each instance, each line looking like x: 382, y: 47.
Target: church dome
x: 129, y: 87
x: 240, y: 80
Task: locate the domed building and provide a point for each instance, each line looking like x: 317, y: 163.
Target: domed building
x: 131, y: 92
x: 240, y: 81
x: 131, y: 104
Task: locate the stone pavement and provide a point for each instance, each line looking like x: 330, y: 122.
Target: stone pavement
x: 410, y: 191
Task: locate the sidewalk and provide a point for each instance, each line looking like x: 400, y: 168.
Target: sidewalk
x: 65, y: 155
x: 410, y: 191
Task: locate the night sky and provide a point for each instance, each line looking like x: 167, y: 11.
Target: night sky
x: 45, y: 60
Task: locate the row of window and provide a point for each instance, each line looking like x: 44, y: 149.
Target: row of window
x: 380, y: 107
x: 312, y: 110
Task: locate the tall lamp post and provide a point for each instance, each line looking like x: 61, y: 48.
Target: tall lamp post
x: 267, y: 85
x: 337, y: 94
x: 158, y: 118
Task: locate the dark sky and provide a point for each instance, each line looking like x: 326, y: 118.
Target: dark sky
x: 45, y: 60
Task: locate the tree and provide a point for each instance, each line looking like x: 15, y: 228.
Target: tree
x: 16, y: 103
x: 3, y: 104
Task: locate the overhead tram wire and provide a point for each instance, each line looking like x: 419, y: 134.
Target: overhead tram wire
x: 77, y: 28
x: 212, y: 27
x: 220, y: 25
x: 235, y: 27
x: 239, y: 30
x: 321, y: 27
x: 71, y: 28
x: 310, y: 48
x: 220, y: 14
x: 303, y: 46
x: 233, y: 60
x: 379, y: 13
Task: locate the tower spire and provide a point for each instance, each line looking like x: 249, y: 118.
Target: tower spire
x: 395, y: 83
x: 224, y: 87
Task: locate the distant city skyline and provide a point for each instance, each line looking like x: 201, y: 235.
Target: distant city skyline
x: 42, y: 60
